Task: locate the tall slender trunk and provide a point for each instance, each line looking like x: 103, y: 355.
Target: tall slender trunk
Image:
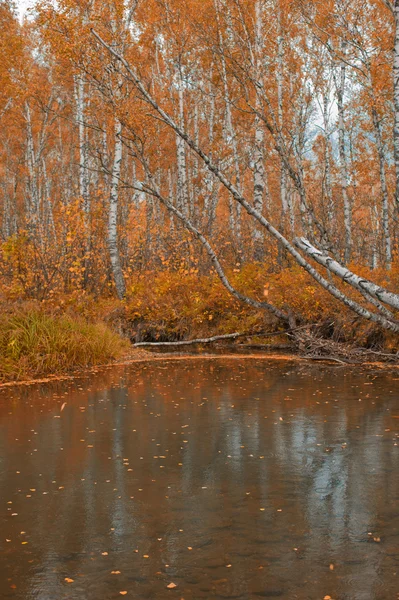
x: 280, y: 113
x: 8, y: 202
x: 384, y: 188
x: 375, y: 223
x: 113, y: 214
x: 80, y: 96
x: 182, y: 188
x: 259, y: 158
x: 171, y: 196
x: 230, y: 134
x: 327, y: 163
x: 48, y: 206
x: 33, y: 192
x: 396, y: 100
x: 343, y: 163
x: 195, y: 188
x: 212, y: 193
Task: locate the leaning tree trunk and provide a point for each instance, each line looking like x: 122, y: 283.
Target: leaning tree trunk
x: 359, y: 283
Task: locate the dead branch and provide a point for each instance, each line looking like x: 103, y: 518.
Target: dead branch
x: 216, y: 338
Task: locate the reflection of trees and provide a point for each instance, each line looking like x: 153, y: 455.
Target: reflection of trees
x: 247, y: 438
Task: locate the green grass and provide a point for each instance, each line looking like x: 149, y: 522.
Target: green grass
x: 33, y: 343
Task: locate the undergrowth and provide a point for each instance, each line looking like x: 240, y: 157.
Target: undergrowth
x: 34, y: 343
x: 68, y: 331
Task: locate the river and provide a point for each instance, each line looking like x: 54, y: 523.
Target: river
x: 201, y: 478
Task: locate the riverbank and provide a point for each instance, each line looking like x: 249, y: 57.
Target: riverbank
x: 148, y: 358
x: 64, y: 333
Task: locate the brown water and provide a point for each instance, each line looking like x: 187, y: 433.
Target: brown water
x: 230, y: 478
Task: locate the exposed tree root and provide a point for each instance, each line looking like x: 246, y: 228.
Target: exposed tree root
x: 314, y: 347
x: 306, y: 341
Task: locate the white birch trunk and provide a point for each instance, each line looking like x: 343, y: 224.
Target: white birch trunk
x: 113, y: 214
x: 171, y: 195
x: 359, y: 283
x: 182, y: 188
x: 375, y: 222
x: 8, y: 202
x: 396, y: 99
x: 48, y: 206
x: 80, y: 97
x: 231, y: 139
x: 327, y: 162
x: 212, y: 194
x: 84, y: 182
x: 383, y: 183
x: 343, y: 164
x: 280, y: 113
x: 384, y: 191
x: 259, y: 158
x: 33, y: 200
x: 195, y: 189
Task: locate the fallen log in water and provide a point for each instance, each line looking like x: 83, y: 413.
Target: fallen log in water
x: 216, y: 338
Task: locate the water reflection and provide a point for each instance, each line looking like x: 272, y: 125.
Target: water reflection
x: 230, y: 478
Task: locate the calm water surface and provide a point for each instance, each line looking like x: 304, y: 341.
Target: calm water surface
x: 229, y: 478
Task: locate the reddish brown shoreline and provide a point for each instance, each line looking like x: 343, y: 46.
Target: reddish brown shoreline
x: 149, y: 357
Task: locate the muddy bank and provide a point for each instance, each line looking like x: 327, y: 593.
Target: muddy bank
x: 141, y: 356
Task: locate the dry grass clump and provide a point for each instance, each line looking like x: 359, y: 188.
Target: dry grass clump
x: 34, y: 343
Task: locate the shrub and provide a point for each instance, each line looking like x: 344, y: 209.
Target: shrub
x: 35, y: 343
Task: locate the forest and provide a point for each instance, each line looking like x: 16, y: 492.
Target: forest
x: 179, y: 170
